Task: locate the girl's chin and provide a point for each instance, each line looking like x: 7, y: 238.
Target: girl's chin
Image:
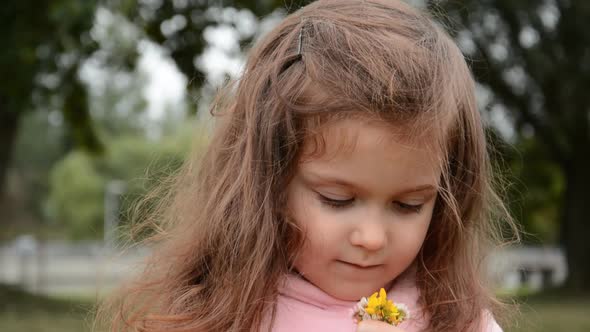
x: 347, y: 286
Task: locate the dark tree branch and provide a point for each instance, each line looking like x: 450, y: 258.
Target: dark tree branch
x: 519, y: 104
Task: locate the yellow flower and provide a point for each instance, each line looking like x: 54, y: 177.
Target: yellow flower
x: 380, y: 308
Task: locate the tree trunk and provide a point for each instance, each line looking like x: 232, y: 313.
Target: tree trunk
x: 9, y: 121
x: 575, y: 225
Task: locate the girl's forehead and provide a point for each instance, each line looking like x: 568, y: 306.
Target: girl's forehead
x: 342, y: 137
x: 370, y: 155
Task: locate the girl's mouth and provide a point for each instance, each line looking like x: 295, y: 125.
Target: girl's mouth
x: 360, y: 267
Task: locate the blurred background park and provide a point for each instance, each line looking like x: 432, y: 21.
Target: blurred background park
x: 101, y: 100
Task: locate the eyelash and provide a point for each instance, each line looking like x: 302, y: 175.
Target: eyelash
x: 340, y: 204
x: 336, y: 203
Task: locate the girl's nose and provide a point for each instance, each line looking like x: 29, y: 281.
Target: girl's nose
x: 369, y: 234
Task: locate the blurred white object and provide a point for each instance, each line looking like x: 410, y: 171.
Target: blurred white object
x: 25, y: 245
x: 531, y: 267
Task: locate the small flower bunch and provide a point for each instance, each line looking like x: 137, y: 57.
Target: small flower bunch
x: 378, y: 307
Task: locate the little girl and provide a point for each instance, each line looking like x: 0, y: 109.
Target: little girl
x: 349, y: 157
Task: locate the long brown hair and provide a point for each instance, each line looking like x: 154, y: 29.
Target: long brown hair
x: 223, y: 239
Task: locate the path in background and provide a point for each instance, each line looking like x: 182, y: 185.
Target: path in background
x: 86, y: 269
x: 67, y: 269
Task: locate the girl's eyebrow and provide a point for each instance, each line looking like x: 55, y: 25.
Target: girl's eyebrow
x: 331, y: 180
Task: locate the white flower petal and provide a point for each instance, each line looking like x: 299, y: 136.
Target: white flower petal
x: 404, y: 308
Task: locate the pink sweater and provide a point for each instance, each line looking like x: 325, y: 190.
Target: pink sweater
x: 304, y: 307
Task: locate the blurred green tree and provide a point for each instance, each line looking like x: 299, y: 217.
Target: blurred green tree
x: 76, y: 200
x: 76, y: 195
x: 178, y: 26
x: 534, y: 57
x: 38, y: 147
x: 531, y: 186
x: 44, y: 43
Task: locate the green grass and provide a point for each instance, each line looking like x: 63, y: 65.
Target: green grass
x: 23, y: 312
x: 553, y: 311
x: 43, y: 322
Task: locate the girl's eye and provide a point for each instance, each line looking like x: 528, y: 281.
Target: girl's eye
x: 336, y: 203
x: 408, y: 208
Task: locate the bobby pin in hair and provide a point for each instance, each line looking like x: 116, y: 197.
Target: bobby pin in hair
x: 299, y: 55
x: 300, y: 40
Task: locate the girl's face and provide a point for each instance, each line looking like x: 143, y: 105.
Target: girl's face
x: 365, y: 208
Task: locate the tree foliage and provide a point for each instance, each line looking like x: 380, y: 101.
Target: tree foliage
x: 76, y: 200
x: 534, y: 57
x: 78, y: 182
x: 44, y: 43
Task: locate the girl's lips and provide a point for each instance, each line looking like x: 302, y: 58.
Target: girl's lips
x: 361, y: 267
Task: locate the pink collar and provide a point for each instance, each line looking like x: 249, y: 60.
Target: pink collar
x: 298, y: 288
